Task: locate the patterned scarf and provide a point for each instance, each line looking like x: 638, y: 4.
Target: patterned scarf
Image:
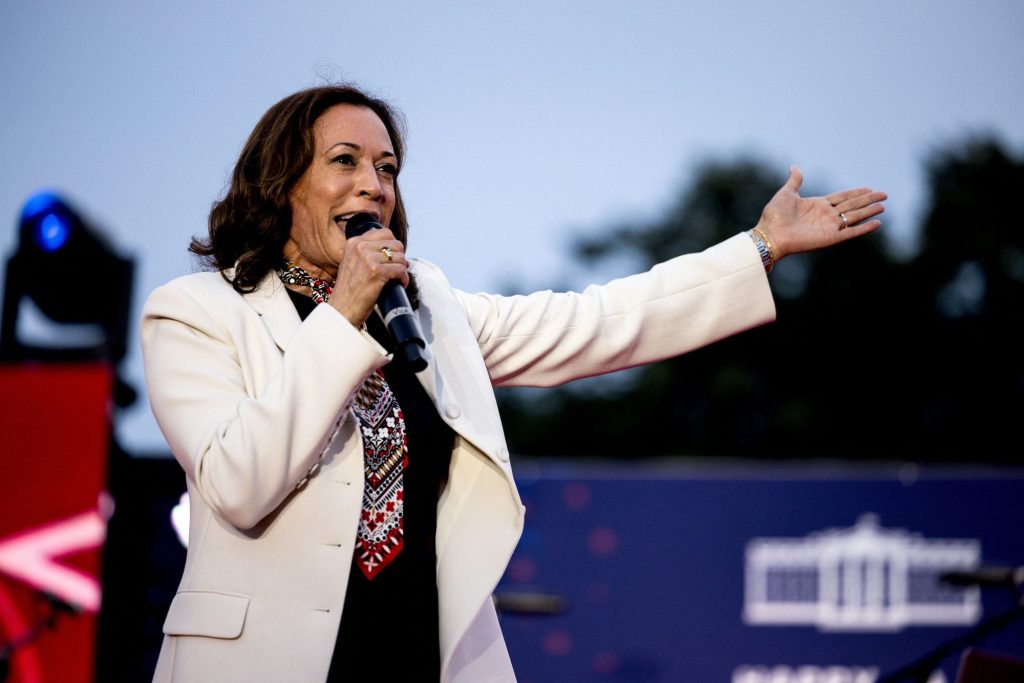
x: 380, y: 537
x: 295, y: 275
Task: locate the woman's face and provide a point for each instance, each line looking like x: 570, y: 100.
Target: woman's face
x: 353, y: 170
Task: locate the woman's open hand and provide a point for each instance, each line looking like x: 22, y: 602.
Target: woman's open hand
x: 795, y: 224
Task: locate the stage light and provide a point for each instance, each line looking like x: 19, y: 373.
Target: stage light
x: 50, y: 220
x: 73, y: 276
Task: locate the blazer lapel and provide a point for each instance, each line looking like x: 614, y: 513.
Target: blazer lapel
x: 270, y: 300
x: 464, y: 394
x: 431, y: 376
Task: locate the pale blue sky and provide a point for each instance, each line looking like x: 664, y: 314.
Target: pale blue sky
x: 527, y: 120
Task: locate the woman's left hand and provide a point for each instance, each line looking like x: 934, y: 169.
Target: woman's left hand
x: 795, y: 224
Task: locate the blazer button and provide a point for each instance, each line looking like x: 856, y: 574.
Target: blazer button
x: 503, y: 454
x: 313, y: 470
x: 452, y: 411
x: 302, y: 483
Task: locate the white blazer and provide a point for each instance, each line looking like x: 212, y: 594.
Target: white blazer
x: 254, y: 404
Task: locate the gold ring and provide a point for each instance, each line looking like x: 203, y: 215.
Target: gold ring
x: 842, y: 215
x: 387, y: 253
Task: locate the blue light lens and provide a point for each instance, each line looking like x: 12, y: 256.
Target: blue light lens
x: 51, y: 232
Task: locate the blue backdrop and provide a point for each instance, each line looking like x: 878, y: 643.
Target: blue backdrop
x: 650, y: 562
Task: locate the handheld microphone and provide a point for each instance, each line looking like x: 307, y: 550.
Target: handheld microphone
x: 394, y: 305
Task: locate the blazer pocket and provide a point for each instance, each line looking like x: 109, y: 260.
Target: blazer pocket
x: 206, y: 613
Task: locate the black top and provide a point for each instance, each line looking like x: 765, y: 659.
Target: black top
x: 389, y: 626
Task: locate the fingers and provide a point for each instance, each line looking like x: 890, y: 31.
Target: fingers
x: 857, y: 206
x: 857, y: 218
x: 391, y: 251
x: 378, y: 246
x: 855, y: 199
x: 795, y: 180
x: 380, y: 255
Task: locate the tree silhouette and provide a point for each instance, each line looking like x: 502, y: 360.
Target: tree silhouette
x: 968, y: 282
x: 871, y: 357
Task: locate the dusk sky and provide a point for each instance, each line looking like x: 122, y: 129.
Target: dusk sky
x: 529, y: 122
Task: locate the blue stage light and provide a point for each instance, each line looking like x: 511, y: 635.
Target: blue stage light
x: 52, y: 232
x: 58, y: 245
x: 50, y: 220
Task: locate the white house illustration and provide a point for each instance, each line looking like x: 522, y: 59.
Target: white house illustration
x: 863, y: 578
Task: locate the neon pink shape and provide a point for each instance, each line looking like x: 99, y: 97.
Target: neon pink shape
x: 31, y: 555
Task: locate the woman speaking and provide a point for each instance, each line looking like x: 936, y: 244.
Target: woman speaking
x: 350, y: 515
